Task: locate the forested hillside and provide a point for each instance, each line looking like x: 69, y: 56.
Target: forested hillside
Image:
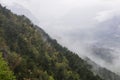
x: 32, y: 55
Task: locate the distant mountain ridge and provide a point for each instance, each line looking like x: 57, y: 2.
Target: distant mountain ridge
x: 102, y: 72
x: 107, y: 45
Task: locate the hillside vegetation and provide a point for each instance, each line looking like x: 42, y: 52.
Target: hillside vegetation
x: 32, y: 55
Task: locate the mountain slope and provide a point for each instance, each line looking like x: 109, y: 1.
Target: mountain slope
x: 33, y: 55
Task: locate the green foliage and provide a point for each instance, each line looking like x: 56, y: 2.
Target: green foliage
x: 5, y: 73
x: 51, y: 78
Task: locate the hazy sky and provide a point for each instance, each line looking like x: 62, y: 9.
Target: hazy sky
x: 60, y: 17
x: 69, y: 21
x: 79, y: 12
